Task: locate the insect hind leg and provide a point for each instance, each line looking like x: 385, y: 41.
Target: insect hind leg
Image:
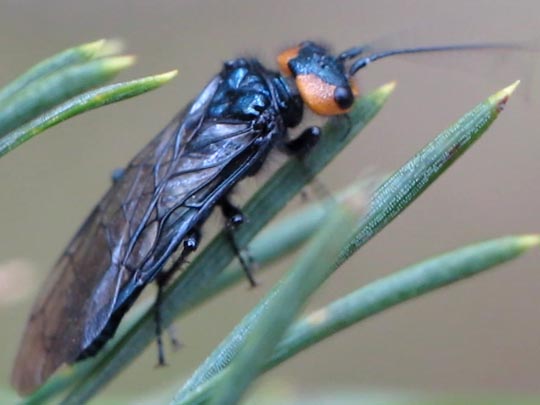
x: 191, y: 242
x: 234, y: 218
x: 159, y: 326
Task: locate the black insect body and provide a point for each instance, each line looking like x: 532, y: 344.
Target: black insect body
x: 158, y: 204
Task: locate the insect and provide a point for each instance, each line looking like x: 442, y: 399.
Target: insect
x: 159, y: 203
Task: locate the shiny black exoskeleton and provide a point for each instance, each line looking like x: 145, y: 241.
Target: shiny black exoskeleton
x: 158, y: 204
x: 247, y: 90
x: 245, y: 111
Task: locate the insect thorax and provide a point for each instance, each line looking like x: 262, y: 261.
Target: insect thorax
x: 248, y: 90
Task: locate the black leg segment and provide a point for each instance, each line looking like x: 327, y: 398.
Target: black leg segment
x: 234, y: 218
x: 159, y: 326
x: 191, y: 242
x: 232, y: 213
x: 304, y: 142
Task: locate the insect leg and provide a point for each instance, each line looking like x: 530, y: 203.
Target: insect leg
x: 234, y: 218
x: 304, y: 142
x: 299, y: 147
x: 159, y: 326
x: 191, y: 242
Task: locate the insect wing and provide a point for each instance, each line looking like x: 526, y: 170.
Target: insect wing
x: 82, y: 290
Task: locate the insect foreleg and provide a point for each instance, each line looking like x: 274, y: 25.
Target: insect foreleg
x: 299, y: 147
x: 304, y: 142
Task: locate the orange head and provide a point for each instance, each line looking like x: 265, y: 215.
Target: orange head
x: 320, y: 77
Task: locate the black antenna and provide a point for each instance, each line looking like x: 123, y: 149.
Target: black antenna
x: 353, y: 52
x: 361, y: 63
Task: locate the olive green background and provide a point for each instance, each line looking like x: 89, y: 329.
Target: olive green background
x: 482, y: 335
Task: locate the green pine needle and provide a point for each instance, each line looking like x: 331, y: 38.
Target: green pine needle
x: 60, y: 88
x: 266, y: 203
x: 390, y: 199
x: 82, y: 103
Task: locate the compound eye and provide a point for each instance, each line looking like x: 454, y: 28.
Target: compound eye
x: 344, y: 97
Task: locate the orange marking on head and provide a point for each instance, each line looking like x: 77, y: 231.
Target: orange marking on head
x: 318, y: 95
x: 284, y: 58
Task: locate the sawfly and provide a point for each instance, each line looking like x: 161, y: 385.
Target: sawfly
x: 158, y: 204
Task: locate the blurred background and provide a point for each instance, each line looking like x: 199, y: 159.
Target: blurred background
x: 482, y: 335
